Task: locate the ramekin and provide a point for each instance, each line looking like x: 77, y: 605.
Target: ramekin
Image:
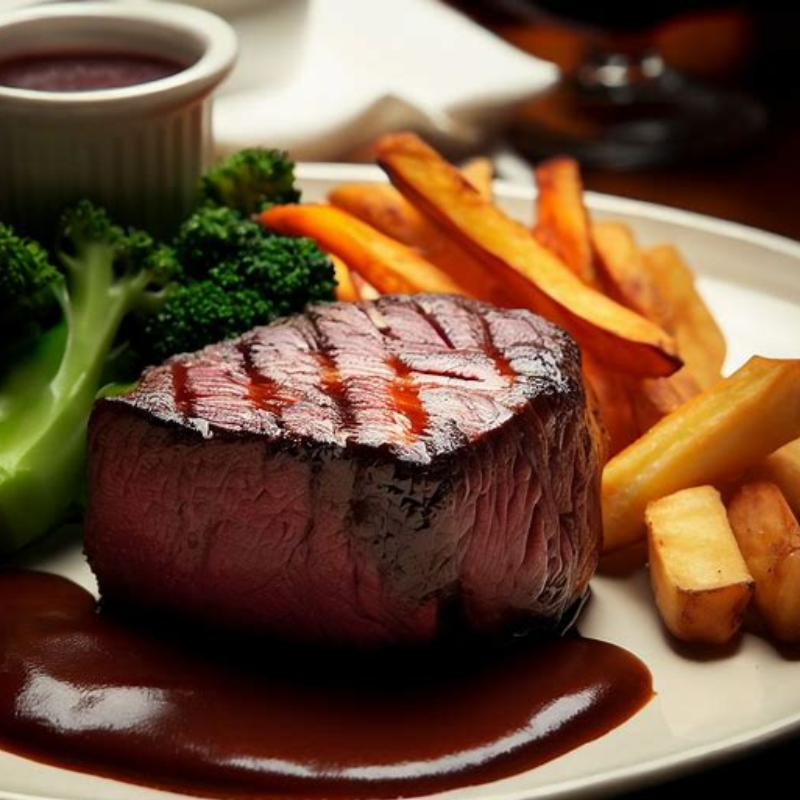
x: 138, y: 150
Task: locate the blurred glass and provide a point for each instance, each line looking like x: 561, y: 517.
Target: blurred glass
x: 620, y: 104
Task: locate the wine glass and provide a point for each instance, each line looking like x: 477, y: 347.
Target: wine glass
x: 622, y: 106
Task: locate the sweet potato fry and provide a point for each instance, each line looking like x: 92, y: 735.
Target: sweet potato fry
x: 479, y: 172
x: 617, y: 337
x: 388, y: 265
x: 783, y: 468
x: 700, y: 580
x: 716, y: 435
x: 700, y: 341
x: 345, y: 288
x: 385, y: 209
x: 769, y: 538
x: 562, y: 222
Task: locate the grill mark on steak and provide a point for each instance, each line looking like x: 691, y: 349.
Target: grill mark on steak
x: 406, y: 399
x: 331, y: 381
x: 263, y: 392
x: 435, y: 324
x: 182, y: 391
x: 501, y: 364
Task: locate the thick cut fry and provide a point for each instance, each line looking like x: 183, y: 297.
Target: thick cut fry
x: 345, y: 288
x: 479, y: 172
x: 388, y: 265
x: 716, y: 435
x: 385, y: 209
x: 617, y: 337
x: 783, y: 468
x: 700, y: 580
x: 769, y: 538
x: 700, y: 341
x: 562, y: 222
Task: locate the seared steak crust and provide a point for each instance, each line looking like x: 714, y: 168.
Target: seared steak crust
x: 365, y: 474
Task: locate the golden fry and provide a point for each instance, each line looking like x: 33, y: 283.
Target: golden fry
x: 769, y: 538
x: 562, y: 222
x: 345, y: 288
x: 700, y: 580
x: 700, y: 340
x: 713, y: 436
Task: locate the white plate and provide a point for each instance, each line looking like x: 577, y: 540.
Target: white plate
x: 706, y: 709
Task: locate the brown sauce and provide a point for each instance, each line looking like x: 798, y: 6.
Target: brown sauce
x: 84, y: 72
x: 86, y: 691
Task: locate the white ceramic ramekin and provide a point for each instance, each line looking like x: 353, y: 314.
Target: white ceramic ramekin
x: 138, y: 150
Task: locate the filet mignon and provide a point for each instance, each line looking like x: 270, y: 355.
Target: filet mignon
x: 382, y: 473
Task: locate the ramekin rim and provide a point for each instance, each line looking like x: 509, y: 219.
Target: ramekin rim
x: 220, y: 52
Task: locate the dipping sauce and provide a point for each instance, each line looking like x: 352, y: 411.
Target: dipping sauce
x: 89, y: 692
x: 84, y: 72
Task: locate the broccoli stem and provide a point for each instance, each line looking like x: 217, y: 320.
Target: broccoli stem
x: 44, y: 440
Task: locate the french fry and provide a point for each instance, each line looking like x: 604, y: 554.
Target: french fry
x: 479, y: 172
x: 616, y: 336
x: 345, y: 288
x: 701, y: 583
x: 714, y: 436
x: 388, y: 265
x: 562, y: 222
x: 612, y: 393
x: 783, y: 468
x: 700, y: 341
x: 385, y: 209
x: 624, y: 273
x: 628, y: 280
x: 769, y: 538
x: 366, y: 291
x: 654, y: 398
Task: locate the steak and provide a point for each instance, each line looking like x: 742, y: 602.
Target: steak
x: 392, y: 472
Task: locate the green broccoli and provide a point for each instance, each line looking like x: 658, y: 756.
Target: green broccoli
x: 250, y: 180
x: 47, y: 391
x: 26, y: 282
x: 238, y: 275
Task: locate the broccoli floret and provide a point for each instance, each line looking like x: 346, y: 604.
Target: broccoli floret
x: 202, y: 313
x: 47, y: 393
x: 27, y: 279
x: 291, y: 271
x: 250, y: 180
x: 213, y: 235
x: 238, y: 275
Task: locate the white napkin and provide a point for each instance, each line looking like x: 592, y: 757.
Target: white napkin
x: 370, y: 66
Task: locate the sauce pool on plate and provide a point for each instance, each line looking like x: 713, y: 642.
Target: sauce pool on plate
x: 86, y: 691
x: 84, y: 71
